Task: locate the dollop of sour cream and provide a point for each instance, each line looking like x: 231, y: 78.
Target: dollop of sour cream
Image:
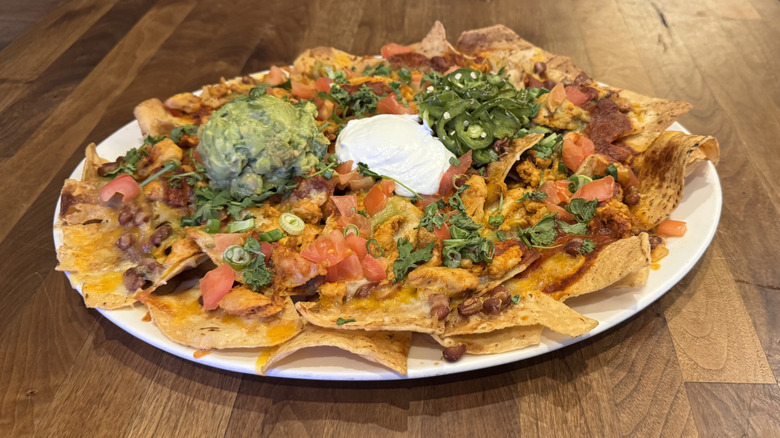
x: 398, y: 146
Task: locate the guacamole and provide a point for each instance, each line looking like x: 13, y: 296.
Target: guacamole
x: 253, y: 145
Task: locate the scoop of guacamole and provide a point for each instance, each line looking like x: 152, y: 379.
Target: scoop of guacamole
x: 252, y: 145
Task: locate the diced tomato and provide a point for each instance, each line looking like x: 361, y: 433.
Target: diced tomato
x: 427, y: 200
x: 391, y: 49
x: 575, y: 96
x: 323, y: 84
x: 215, y: 285
x: 344, y: 167
x: 124, y: 184
x: 375, y: 200
x: 387, y: 186
x: 602, y: 189
x: 445, y: 185
x: 671, y: 228
x: 357, y: 244
x: 390, y: 105
x: 363, y: 223
x: 576, y: 147
x: 373, y: 268
x: 324, y: 108
x: 328, y: 250
x: 266, y: 248
x: 223, y: 240
x: 275, y: 76
x: 342, y: 181
x: 443, y: 232
x: 557, y: 191
x: 345, y: 204
x: 302, y: 90
x: 348, y: 269
x: 363, y: 183
x: 562, y: 213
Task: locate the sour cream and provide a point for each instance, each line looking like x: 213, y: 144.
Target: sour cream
x: 398, y: 146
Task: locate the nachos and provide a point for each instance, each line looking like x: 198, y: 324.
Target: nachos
x: 458, y: 192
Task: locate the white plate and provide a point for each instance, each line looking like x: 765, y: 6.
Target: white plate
x: 700, y: 208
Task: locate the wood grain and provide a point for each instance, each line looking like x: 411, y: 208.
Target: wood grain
x: 701, y: 361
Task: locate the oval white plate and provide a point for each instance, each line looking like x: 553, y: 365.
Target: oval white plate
x: 700, y: 208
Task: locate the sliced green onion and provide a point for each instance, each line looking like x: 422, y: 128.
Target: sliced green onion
x: 351, y: 229
x: 237, y: 257
x: 377, y: 250
x: 577, y: 181
x: 212, y: 226
x: 271, y: 236
x: 241, y: 226
x: 291, y: 223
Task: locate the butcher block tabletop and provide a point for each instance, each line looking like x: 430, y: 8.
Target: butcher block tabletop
x: 702, y: 360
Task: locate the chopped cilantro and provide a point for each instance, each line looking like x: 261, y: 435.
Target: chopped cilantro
x: 256, y: 274
x: 150, y: 141
x: 342, y: 321
x: 587, y: 246
x: 582, y: 210
x: 578, y: 228
x: 500, y: 236
x: 433, y: 217
x: 379, y: 70
x: 129, y: 163
x: 180, y: 131
x: 516, y: 299
x: 541, y: 235
x: 408, y: 259
x: 533, y: 196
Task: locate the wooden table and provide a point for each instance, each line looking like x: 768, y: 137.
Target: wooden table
x: 702, y: 360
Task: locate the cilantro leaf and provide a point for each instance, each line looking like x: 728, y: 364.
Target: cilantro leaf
x: 541, y: 235
x: 533, y: 196
x: 342, y: 321
x: 587, y: 246
x: 178, y: 132
x: 578, y: 228
x: 582, y: 210
x: 256, y: 274
x: 433, y: 217
x: 408, y: 259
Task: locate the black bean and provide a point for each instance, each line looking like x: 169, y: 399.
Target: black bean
x: 125, y: 241
x: 140, y: 218
x: 107, y: 168
x: 125, y: 215
x: 540, y: 68
x: 133, y: 279
x: 440, y: 312
x: 491, y: 306
x: 631, y: 196
x: 364, y: 291
x: 470, y: 307
x: 160, y: 235
x: 573, y: 247
x: 451, y: 354
x: 655, y: 241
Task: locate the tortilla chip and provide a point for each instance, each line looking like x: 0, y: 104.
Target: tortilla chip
x: 155, y: 120
x: 498, y: 37
x: 385, y: 348
x: 435, y: 42
x: 92, y: 162
x: 532, y: 308
x: 497, y: 171
x: 618, y: 260
x: 183, y: 319
x: 497, y: 341
x: 661, y: 171
x: 407, y: 311
x: 650, y: 115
